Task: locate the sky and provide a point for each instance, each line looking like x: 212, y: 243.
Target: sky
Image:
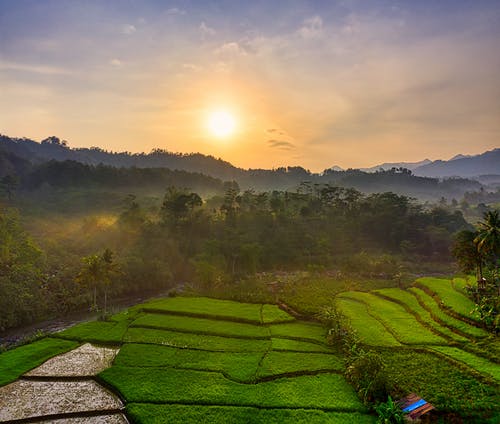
x: 352, y: 83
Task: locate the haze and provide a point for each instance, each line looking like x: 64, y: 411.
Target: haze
x: 316, y: 84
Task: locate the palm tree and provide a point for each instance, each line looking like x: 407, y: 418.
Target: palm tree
x: 487, y: 240
x: 97, y: 271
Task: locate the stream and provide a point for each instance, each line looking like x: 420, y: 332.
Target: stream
x: 17, y: 335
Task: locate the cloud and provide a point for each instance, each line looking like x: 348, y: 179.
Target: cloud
x: 128, y: 29
x: 281, y: 144
x: 230, y: 49
x: 116, y: 62
x: 191, y: 67
x: 36, y: 69
x: 175, y: 11
x: 206, y: 31
x: 311, y: 28
x: 275, y: 131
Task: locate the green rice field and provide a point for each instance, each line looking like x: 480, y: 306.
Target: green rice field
x: 224, y: 361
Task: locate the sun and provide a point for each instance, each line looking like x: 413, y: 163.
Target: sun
x: 221, y: 123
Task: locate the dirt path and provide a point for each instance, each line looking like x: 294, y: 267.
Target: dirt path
x: 63, y: 389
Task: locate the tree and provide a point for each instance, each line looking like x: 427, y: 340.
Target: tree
x: 488, y: 236
x: 8, y: 184
x: 465, y: 251
x: 97, y: 272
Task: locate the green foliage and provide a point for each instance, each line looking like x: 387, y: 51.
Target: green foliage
x: 410, y: 301
x: 15, y: 362
x: 238, y: 366
x: 323, y: 391
x: 299, y: 331
x: 273, y: 314
x: 298, y: 346
x: 193, y: 414
x: 208, y: 308
x: 439, y: 314
x: 393, y: 316
x: 450, y: 298
x: 370, y: 330
x: 22, y: 296
x: 478, y: 363
x: 444, y: 385
x: 366, y: 372
x: 96, y: 331
x: 201, y: 326
x: 275, y: 363
x: 195, y: 341
x: 389, y: 412
x: 97, y: 273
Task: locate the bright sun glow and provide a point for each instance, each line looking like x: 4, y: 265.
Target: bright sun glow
x: 221, y: 123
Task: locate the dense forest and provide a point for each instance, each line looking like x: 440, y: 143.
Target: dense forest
x: 220, y: 240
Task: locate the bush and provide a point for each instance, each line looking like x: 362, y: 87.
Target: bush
x: 389, y: 412
x: 366, y: 372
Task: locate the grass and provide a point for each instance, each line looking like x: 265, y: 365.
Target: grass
x: 299, y: 331
x: 411, y: 302
x: 201, y: 326
x: 298, y: 346
x: 275, y: 363
x: 371, y: 331
x: 273, y: 314
x: 450, y: 297
x: 447, y: 319
x: 447, y: 387
x: 309, y: 293
x: 16, y: 362
x: 159, y: 414
x: 240, y: 366
x: 195, y: 341
x: 143, y: 385
x: 207, y: 307
x: 460, y: 284
x: 96, y: 331
x: 478, y: 363
x: 393, y: 316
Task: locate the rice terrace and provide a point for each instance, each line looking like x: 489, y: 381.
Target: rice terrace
x: 197, y: 359
x: 249, y: 212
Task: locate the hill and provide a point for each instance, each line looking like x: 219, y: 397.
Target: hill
x: 463, y: 166
x: 23, y: 157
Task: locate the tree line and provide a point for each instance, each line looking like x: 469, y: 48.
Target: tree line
x: 218, y: 240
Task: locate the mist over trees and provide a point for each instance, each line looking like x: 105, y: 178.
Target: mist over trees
x: 221, y: 240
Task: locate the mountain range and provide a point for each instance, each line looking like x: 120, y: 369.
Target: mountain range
x: 53, y: 148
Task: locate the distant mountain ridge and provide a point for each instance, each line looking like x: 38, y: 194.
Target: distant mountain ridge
x: 28, y: 159
x: 389, y: 165
x: 487, y: 163
x: 53, y: 148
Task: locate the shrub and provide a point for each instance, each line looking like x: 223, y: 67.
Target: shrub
x: 366, y: 372
x: 389, y: 412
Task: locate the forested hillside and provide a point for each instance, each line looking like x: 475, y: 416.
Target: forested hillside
x: 54, y: 163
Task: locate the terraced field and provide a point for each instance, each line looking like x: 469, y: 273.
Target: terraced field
x: 218, y: 361
x: 417, y: 328
x: 205, y: 360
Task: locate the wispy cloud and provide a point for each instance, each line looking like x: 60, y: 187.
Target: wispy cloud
x: 175, y: 11
x: 230, y: 49
x: 206, y: 31
x: 128, y: 29
x: 281, y: 144
x: 36, y: 69
x: 312, y: 27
